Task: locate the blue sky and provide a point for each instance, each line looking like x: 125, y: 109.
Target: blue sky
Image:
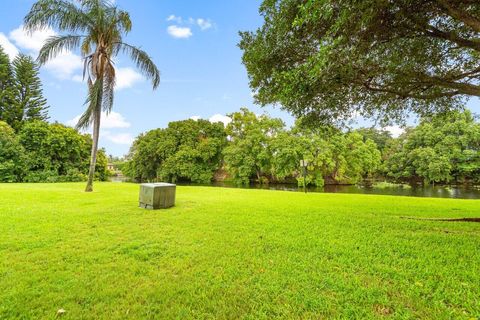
x: 194, y: 44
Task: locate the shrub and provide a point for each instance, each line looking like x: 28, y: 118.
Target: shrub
x: 12, y: 156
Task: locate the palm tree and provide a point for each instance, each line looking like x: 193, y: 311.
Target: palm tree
x: 96, y: 27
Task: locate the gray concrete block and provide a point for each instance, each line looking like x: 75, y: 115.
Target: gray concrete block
x: 157, y: 195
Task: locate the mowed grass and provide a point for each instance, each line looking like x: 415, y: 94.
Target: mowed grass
x: 234, y: 254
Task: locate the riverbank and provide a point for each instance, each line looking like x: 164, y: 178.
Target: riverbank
x: 439, y: 191
x: 454, y: 192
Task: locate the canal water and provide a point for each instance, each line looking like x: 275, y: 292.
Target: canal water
x: 460, y: 192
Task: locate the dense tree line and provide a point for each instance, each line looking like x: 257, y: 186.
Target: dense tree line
x: 32, y: 150
x: 251, y: 148
x: 46, y: 152
x: 261, y: 147
x: 442, y: 148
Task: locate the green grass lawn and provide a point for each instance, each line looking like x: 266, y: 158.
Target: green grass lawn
x: 233, y: 253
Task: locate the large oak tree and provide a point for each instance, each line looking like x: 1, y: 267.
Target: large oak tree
x: 330, y: 59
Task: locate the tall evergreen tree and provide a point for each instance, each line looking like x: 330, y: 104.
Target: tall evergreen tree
x: 29, y: 101
x: 6, y: 86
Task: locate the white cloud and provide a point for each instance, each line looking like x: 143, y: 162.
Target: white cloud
x: 395, y: 131
x: 215, y: 118
x: 111, y: 121
x: 77, y: 78
x: 114, y: 120
x: 64, y: 65
x: 204, y: 24
x: 73, y: 122
x: 31, y: 41
x: 179, y: 32
x: 8, y: 47
x: 127, y: 77
x: 174, y: 18
x: 118, y: 138
x: 220, y: 118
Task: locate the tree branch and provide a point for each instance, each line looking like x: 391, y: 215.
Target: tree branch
x: 437, y: 33
x: 408, y: 94
x: 461, y: 15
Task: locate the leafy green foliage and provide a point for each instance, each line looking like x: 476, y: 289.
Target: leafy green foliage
x: 325, y: 60
x: 57, y: 153
x: 21, y: 97
x: 341, y: 158
x: 380, y: 137
x: 186, y: 150
x: 249, y: 151
x: 444, y: 148
x: 12, y: 155
x: 261, y: 148
x: 53, y: 147
x: 101, y: 166
x: 7, y: 88
x: 29, y: 101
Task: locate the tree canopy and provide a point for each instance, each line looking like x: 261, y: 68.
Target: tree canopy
x: 443, y: 148
x: 44, y: 152
x: 21, y: 94
x: 326, y: 60
x: 7, y: 87
x: 186, y: 150
x: 30, y: 104
x: 249, y: 152
x: 252, y: 148
x: 12, y: 155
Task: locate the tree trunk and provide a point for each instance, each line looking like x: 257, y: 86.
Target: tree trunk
x: 93, y: 158
x: 95, y: 136
x: 258, y: 176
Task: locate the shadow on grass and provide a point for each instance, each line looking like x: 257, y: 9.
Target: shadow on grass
x: 445, y: 219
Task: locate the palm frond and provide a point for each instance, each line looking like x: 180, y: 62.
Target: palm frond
x: 96, y: 4
x: 56, y: 45
x: 85, y: 119
x: 142, y: 60
x: 86, y: 46
x: 123, y: 18
x: 93, y: 103
x: 57, y: 14
x: 108, y: 88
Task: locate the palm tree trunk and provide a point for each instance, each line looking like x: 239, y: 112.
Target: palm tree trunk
x: 95, y: 136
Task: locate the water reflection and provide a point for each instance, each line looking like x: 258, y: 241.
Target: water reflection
x: 460, y: 192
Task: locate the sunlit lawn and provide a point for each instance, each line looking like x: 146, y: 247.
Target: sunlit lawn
x: 232, y: 253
